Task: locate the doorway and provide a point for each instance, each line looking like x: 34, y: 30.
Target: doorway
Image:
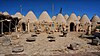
x: 72, y: 26
x: 23, y: 26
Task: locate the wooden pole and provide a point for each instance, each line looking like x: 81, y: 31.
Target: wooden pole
x: 9, y: 25
x: 77, y: 28
x: 28, y: 26
x: 2, y: 27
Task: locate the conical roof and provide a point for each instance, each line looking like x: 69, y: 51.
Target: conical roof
x: 66, y: 16
x: 13, y: 16
x: 19, y: 15
x: 53, y: 18
x: 72, y: 17
x: 45, y: 17
x: 5, y: 13
x: 79, y: 17
x: 85, y: 19
x: 60, y: 19
x: 31, y: 16
x: 95, y: 18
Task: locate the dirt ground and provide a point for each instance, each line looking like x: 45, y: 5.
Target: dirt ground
x: 43, y: 47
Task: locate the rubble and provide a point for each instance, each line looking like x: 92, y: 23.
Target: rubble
x: 74, y: 46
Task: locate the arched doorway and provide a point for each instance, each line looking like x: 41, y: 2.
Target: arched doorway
x: 72, y: 26
x: 23, y: 26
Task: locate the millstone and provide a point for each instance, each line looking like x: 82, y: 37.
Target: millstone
x: 30, y: 39
x: 17, y: 49
x: 51, y: 39
x: 51, y: 36
x: 33, y: 35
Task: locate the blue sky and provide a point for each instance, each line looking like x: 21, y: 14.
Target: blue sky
x: 79, y: 7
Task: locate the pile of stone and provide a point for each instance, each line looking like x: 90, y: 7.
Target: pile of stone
x: 74, y: 46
